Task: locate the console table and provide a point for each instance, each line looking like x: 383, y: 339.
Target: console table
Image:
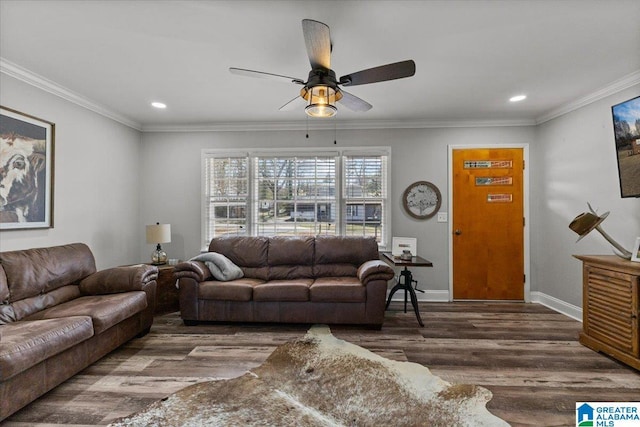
x: 611, y: 306
x: 405, y: 284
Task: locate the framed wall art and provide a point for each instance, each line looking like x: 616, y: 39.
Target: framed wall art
x: 421, y: 200
x: 626, y: 129
x: 26, y: 171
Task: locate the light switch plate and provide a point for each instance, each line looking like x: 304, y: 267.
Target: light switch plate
x: 442, y: 217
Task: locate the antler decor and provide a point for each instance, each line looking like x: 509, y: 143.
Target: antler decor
x: 587, y: 221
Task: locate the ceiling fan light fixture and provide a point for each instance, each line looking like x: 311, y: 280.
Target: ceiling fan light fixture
x: 321, y: 101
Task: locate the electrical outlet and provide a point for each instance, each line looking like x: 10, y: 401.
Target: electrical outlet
x: 442, y: 217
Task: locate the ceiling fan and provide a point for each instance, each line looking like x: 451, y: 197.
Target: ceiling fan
x: 322, y: 90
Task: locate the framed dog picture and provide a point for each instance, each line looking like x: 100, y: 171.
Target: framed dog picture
x: 26, y: 171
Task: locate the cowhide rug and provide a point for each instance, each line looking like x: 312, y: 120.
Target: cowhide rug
x: 320, y: 380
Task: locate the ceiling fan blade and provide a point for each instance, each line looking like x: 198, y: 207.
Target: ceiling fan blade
x: 318, y: 41
x: 263, y: 75
x: 354, y: 103
x: 397, y: 70
x: 296, y: 103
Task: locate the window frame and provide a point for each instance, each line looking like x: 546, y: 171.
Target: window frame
x: 340, y: 198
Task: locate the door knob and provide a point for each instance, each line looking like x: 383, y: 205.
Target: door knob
x: 458, y: 232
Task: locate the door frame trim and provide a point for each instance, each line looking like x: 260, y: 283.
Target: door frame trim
x: 526, y: 204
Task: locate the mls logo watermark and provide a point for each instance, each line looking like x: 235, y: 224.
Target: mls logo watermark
x: 607, y: 414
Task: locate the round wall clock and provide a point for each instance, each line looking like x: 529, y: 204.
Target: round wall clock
x: 421, y: 200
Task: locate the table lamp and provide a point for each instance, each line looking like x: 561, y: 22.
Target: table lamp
x: 584, y: 223
x: 158, y: 233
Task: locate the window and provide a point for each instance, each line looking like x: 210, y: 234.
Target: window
x: 296, y: 193
x: 365, y: 193
x: 226, y: 188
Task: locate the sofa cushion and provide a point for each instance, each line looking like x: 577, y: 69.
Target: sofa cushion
x: 288, y: 272
x: 27, y: 343
x: 338, y: 289
x: 248, y: 253
x: 283, y: 290
x: 243, y: 251
x: 28, y: 306
x: 286, y: 250
x: 35, y: 271
x: 104, y: 310
x: 236, y: 290
x: 345, y: 249
x: 335, y: 270
x: 342, y: 255
x: 291, y: 257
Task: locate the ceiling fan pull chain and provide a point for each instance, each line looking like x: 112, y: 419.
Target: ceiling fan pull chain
x: 307, y: 122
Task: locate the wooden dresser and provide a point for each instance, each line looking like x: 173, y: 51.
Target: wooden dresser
x: 610, y: 307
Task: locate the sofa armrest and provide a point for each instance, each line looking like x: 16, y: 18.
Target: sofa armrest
x: 374, y: 270
x: 119, y: 279
x: 196, y: 270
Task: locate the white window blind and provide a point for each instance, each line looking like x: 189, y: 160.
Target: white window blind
x: 295, y: 195
x: 365, y: 195
x: 226, y: 195
x: 278, y: 192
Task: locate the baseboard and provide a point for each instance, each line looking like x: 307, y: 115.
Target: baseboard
x: 558, y: 305
x: 553, y: 303
x: 430, y: 296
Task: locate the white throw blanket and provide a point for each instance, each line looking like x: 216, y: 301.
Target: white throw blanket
x: 220, y: 266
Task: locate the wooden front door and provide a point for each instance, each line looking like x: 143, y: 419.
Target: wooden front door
x: 488, y: 224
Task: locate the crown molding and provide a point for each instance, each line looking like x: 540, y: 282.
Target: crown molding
x: 612, y: 88
x: 333, y: 125
x: 20, y: 73
x: 33, y: 79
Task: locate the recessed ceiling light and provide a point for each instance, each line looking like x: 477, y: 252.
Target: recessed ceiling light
x: 158, y: 105
x: 518, y: 98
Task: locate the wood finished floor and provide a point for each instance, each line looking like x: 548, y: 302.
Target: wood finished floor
x: 526, y: 354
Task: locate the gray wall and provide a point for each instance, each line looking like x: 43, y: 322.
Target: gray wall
x: 96, y: 178
x: 170, y: 179
x: 111, y: 180
x: 574, y: 162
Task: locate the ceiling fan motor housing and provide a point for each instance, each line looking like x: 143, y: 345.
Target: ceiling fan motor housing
x: 321, y: 77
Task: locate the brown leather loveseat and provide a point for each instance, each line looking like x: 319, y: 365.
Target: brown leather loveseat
x: 324, y: 279
x: 58, y: 316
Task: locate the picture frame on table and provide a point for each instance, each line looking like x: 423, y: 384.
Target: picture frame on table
x: 635, y: 254
x: 399, y: 244
x: 26, y: 171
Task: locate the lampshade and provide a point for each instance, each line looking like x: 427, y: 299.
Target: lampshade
x: 321, y: 100
x: 159, y: 233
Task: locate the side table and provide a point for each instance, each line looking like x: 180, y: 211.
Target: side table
x: 405, y: 284
x: 167, y: 300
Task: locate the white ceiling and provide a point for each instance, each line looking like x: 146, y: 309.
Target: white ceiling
x: 471, y: 56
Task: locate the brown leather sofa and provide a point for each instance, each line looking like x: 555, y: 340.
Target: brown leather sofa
x: 328, y: 279
x: 58, y: 316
